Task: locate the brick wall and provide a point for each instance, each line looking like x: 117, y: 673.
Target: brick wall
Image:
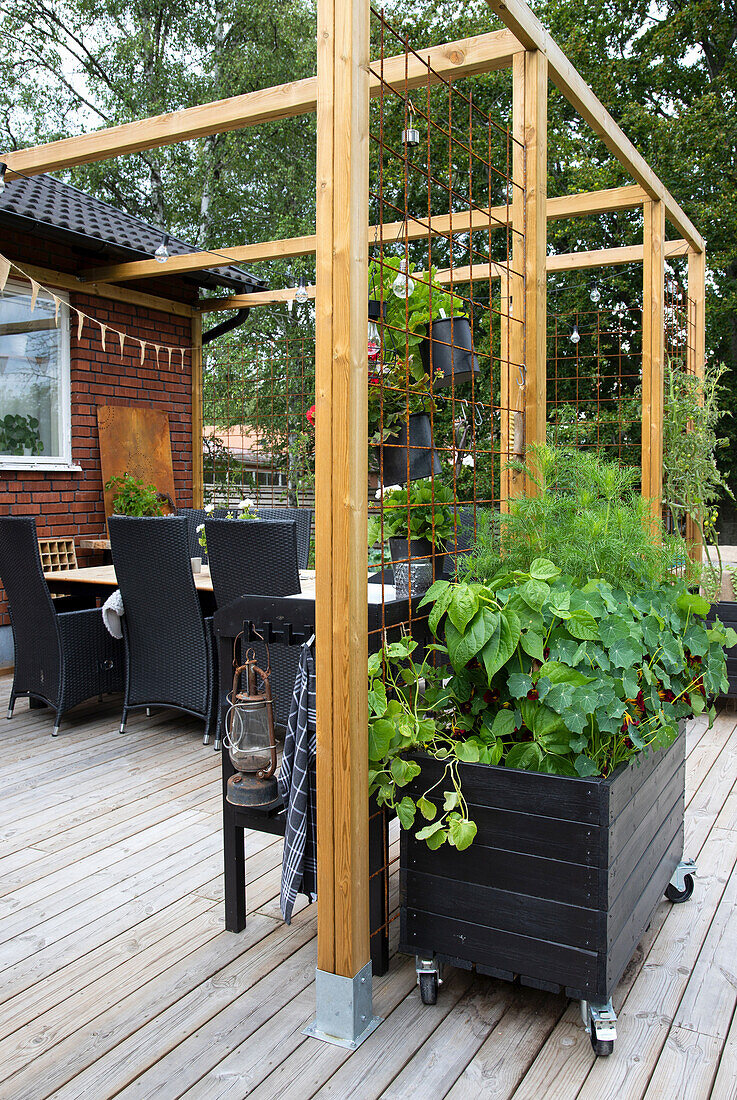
x: 71, y: 504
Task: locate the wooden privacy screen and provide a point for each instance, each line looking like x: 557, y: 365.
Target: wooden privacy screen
x: 135, y: 441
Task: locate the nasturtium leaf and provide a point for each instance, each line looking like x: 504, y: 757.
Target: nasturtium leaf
x: 461, y: 832
x: 503, y: 723
x: 463, y: 606
x: 731, y: 640
x: 586, y: 698
x: 582, y: 625
x: 575, y: 721
x: 630, y: 683
x: 695, y: 638
x: 532, y: 644
x: 519, y: 683
x: 560, y: 697
x: 437, y: 839
x: 429, y: 830
x: 543, y: 570
x: 584, y: 766
x: 427, y: 808
x: 613, y: 629
x: 403, y: 771
x: 624, y: 653
x: 406, y: 812
x: 568, y: 651
x: 542, y: 687
x: 451, y: 800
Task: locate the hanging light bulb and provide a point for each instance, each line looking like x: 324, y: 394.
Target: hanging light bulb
x: 3, y: 170
x: 300, y: 294
x: 162, y: 252
x: 374, y: 342
x: 410, y: 136
x: 575, y: 335
x: 595, y: 294
x: 403, y: 286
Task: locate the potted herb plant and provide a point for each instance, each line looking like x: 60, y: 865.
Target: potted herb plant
x: 693, y: 483
x: 132, y: 498
x: 544, y: 763
x: 417, y: 520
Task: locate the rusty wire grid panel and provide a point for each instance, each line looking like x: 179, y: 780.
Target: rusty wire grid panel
x: 594, y: 384
x: 258, y: 416
x: 679, y: 325
x: 446, y: 374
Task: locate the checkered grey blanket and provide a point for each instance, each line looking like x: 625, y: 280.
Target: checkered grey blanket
x: 297, y: 786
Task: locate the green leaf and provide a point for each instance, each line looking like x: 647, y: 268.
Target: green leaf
x: 377, y: 699
x: 586, y: 698
x: 406, y: 812
x: 461, y: 833
x: 532, y: 644
x: 546, y: 722
x: 427, y: 808
x: 441, y: 605
x: 534, y: 593
x: 380, y: 735
x: 467, y: 751
x: 584, y: 766
x: 519, y: 683
x: 437, y: 839
x: 434, y: 592
x: 560, y: 697
x: 463, y: 647
x: 543, y: 570
x: 624, y: 653
x: 582, y: 625
x: 451, y: 800
x: 403, y: 771
x: 731, y: 639
x: 463, y: 606
x: 429, y: 830
x: 558, y: 673
x: 503, y: 723
x: 526, y: 756
x: 693, y: 603
x: 502, y: 643
x: 630, y: 683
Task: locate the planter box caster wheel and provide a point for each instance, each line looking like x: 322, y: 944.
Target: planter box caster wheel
x: 428, y: 979
x: 600, y: 1021
x: 680, y: 887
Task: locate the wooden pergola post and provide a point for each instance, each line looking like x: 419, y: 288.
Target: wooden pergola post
x: 696, y: 352
x: 653, y: 353
x: 343, y: 983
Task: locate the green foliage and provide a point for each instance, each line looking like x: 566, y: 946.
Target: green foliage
x: 585, y: 515
x: 692, y: 479
x: 133, y: 498
x: 420, y: 510
x: 18, y: 433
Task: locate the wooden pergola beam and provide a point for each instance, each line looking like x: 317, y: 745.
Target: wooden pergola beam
x: 526, y: 27
x: 566, y: 261
x: 498, y: 217
x: 482, y: 53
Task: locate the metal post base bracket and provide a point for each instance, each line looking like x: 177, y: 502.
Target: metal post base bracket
x: 343, y: 1009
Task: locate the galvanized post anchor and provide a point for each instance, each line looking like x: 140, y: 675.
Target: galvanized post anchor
x: 344, y: 1013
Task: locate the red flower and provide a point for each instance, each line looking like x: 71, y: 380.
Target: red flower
x: 533, y: 694
x: 546, y: 652
x: 491, y: 697
x: 640, y: 700
x: 310, y: 414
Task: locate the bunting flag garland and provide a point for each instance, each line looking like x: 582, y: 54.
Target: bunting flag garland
x: 37, y: 288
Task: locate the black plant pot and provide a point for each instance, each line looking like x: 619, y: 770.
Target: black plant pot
x: 447, y: 353
x: 417, y: 552
x: 415, y: 444
x: 726, y: 612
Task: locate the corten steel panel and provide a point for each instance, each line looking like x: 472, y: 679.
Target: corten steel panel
x: 135, y: 441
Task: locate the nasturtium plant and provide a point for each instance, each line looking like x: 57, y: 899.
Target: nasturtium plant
x: 541, y: 672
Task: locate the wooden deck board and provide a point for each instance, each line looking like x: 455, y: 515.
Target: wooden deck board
x: 117, y: 979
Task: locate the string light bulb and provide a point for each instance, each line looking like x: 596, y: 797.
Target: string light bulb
x: 403, y: 286
x: 161, y: 255
x: 575, y: 335
x: 595, y: 294
x: 3, y: 170
x: 374, y: 341
x: 300, y: 294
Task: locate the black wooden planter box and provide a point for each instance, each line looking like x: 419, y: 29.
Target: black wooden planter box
x: 561, y: 881
x: 726, y: 612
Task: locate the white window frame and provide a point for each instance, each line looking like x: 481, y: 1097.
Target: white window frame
x: 62, y: 462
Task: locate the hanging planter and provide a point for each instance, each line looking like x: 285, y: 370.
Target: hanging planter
x: 447, y: 353
x: 411, y: 448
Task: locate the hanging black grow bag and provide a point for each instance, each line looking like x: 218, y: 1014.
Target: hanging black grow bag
x: 415, y: 444
x: 447, y: 353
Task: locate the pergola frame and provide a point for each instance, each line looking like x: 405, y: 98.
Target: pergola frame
x: 340, y: 94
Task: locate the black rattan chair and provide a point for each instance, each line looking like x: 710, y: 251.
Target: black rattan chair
x: 170, y: 657
x: 61, y: 657
x: 258, y: 558
x: 194, y: 517
x: 303, y: 520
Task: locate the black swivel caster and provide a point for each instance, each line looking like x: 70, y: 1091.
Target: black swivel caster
x: 428, y: 978
x: 680, y: 887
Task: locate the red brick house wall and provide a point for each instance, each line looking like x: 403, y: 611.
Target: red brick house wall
x: 71, y: 503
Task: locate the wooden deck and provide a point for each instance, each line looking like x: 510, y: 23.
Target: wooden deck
x: 117, y: 978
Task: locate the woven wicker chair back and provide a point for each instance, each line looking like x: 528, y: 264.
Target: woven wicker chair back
x: 35, y: 631
x: 303, y: 520
x: 168, y: 654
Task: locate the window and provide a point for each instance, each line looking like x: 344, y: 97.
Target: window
x: 35, y: 428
